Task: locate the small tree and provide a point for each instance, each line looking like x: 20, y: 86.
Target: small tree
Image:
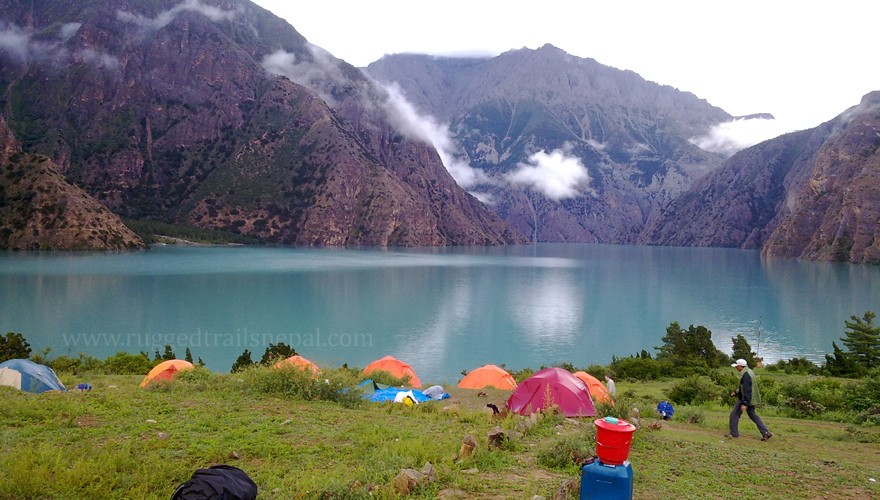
x: 14, y: 346
x: 242, y: 362
x: 169, y: 353
x: 862, y: 339
x: 188, y: 356
x: 692, y: 347
x: 742, y: 350
x: 277, y: 352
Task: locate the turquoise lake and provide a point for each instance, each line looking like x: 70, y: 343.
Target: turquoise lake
x: 441, y: 310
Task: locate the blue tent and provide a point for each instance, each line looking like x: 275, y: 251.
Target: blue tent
x: 25, y: 375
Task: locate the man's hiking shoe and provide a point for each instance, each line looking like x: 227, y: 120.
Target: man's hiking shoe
x: 730, y: 436
x: 767, y: 436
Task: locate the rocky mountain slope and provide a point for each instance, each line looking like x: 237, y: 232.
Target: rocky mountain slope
x: 813, y: 195
x: 220, y: 115
x: 40, y: 210
x: 563, y: 148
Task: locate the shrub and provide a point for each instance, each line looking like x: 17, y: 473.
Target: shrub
x: 386, y: 378
x: 690, y: 415
x: 294, y: 382
x: 863, y: 395
x: 566, y: 451
x: 123, y: 363
x: 81, y: 364
x: 801, y: 366
x: 695, y: 390
x: 639, y: 368
x: 802, y: 408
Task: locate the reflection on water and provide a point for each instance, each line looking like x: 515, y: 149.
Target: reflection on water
x: 546, y: 307
x: 441, y: 310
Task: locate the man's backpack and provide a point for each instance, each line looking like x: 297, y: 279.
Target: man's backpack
x: 223, y: 482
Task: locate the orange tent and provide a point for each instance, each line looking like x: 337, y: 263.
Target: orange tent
x: 488, y: 376
x: 597, y: 388
x: 298, y: 361
x: 166, y: 370
x: 396, y: 368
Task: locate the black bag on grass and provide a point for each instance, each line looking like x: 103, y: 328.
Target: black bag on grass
x: 218, y: 482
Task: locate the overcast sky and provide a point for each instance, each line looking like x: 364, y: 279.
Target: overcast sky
x: 804, y: 62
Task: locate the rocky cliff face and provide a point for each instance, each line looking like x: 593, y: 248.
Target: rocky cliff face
x: 563, y: 148
x: 813, y: 195
x: 220, y: 115
x: 40, y: 210
x: 834, y: 213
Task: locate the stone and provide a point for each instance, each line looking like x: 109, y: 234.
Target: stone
x: 496, y: 438
x: 468, y: 445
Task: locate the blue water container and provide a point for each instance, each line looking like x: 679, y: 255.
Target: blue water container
x: 608, y: 482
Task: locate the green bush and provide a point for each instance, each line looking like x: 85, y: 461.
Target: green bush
x: 291, y: 381
x: 640, y: 368
x: 690, y: 415
x: 386, y: 378
x: 864, y: 395
x: 14, y: 346
x: 82, y: 364
x: 801, y: 366
x: 123, y: 363
x: 568, y: 451
x: 695, y: 390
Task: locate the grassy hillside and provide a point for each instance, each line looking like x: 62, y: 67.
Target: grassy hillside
x: 121, y: 441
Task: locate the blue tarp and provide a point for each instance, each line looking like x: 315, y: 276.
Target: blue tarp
x: 378, y: 393
x: 390, y: 393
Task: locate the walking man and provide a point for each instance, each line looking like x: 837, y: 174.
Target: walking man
x: 747, y: 396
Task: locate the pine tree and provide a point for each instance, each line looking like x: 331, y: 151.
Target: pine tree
x: 742, y: 350
x: 188, y: 356
x: 691, y: 347
x: 842, y: 364
x: 169, y: 353
x: 277, y: 352
x: 242, y: 362
x: 863, y: 340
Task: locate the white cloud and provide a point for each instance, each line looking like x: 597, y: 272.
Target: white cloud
x: 485, y: 198
x: 68, y: 30
x: 729, y: 137
x: 312, y: 74
x: 97, y: 58
x: 557, y: 175
x: 598, y: 146
x: 18, y: 42
x: 409, y: 122
x: 15, y: 41
x: 165, y: 17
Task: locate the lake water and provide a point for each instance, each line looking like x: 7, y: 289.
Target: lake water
x: 441, y: 310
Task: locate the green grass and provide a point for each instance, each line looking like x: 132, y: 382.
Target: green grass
x: 120, y: 441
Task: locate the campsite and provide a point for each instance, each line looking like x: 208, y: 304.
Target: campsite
x: 300, y: 436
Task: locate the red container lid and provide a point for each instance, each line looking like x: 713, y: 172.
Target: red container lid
x: 609, y: 424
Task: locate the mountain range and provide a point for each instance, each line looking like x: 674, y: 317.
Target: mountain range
x: 178, y: 112
x: 219, y: 115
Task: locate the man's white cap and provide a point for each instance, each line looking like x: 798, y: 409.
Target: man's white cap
x: 739, y: 362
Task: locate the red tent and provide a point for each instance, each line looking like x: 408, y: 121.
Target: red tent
x: 395, y: 367
x: 596, y: 387
x: 488, y: 376
x: 552, y: 386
